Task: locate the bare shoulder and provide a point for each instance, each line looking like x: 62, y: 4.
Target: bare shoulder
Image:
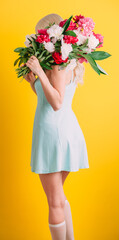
x: 55, y: 70
x: 58, y: 77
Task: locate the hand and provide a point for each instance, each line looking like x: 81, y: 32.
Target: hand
x: 30, y: 77
x: 34, y: 65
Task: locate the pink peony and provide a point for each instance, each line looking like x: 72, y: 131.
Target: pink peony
x: 82, y: 59
x: 100, y: 38
x: 85, y: 24
x: 42, y: 38
x: 42, y: 31
x: 70, y: 39
x: 77, y: 18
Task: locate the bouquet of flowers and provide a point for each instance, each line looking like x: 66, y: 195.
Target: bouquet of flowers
x: 65, y: 44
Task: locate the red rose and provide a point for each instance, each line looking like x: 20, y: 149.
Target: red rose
x: 57, y: 58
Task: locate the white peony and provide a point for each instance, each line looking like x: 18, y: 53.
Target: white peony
x: 27, y: 41
x: 81, y: 39
x: 65, y: 49
x: 49, y: 46
x: 55, y: 31
x: 92, y: 42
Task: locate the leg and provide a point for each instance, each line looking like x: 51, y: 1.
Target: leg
x: 67, y: 212
x: 52, y: 185
x: 64, y: 176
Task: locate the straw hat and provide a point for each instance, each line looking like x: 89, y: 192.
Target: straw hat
x: 50, y: 18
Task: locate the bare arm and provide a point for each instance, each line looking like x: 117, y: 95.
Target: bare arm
x: 55, y: 93
x: 32, y: 86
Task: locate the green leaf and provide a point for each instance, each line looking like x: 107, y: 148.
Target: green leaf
x: 45, y: 66
x: 25, y: 50
x: 46, y: 58
x: 99, y: 44
x: 41, y: 54
x: 99, y: 55
x: 91, y: 61
x: 102, y: 70
x: 93, y: 64
x: 21, y: 61
x: 84, y: 50
x: 48, y: 64
x: 16, y: 61
x: 58, y: 44
x: 74, y: 46
x: 20, y: 74
x: 47, y: 53
x: 66, y: 25
x: 36, y: 53
x: 30, y: 49
x: 29, y: 40
x: 33, y: 38
x: 71, y: 33
x: 18, y: 49
x: 34, y: 46
x: 42, y: 59
x: 22, y: 53
x: 83, y: 45
x: 51, y: 61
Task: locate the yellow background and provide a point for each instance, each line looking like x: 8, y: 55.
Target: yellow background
x: 93, y: 193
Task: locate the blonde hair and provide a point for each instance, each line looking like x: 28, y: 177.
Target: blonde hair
x: 79, y: 71
x: 51, y: 18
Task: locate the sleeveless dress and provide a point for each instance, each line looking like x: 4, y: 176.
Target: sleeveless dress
x: 58, y: 143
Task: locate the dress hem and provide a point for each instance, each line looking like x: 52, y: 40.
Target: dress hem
x: 70, y: 170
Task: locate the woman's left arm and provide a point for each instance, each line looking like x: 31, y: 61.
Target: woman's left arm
x: 54, y: 94
x: 32, y: 86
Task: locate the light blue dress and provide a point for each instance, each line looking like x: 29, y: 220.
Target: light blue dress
x: 58, y: 143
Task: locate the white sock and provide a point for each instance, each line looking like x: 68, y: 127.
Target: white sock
x: 68, y: 219
x: 58, y: 231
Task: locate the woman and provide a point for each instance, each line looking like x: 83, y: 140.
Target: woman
x: 58, y: 144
